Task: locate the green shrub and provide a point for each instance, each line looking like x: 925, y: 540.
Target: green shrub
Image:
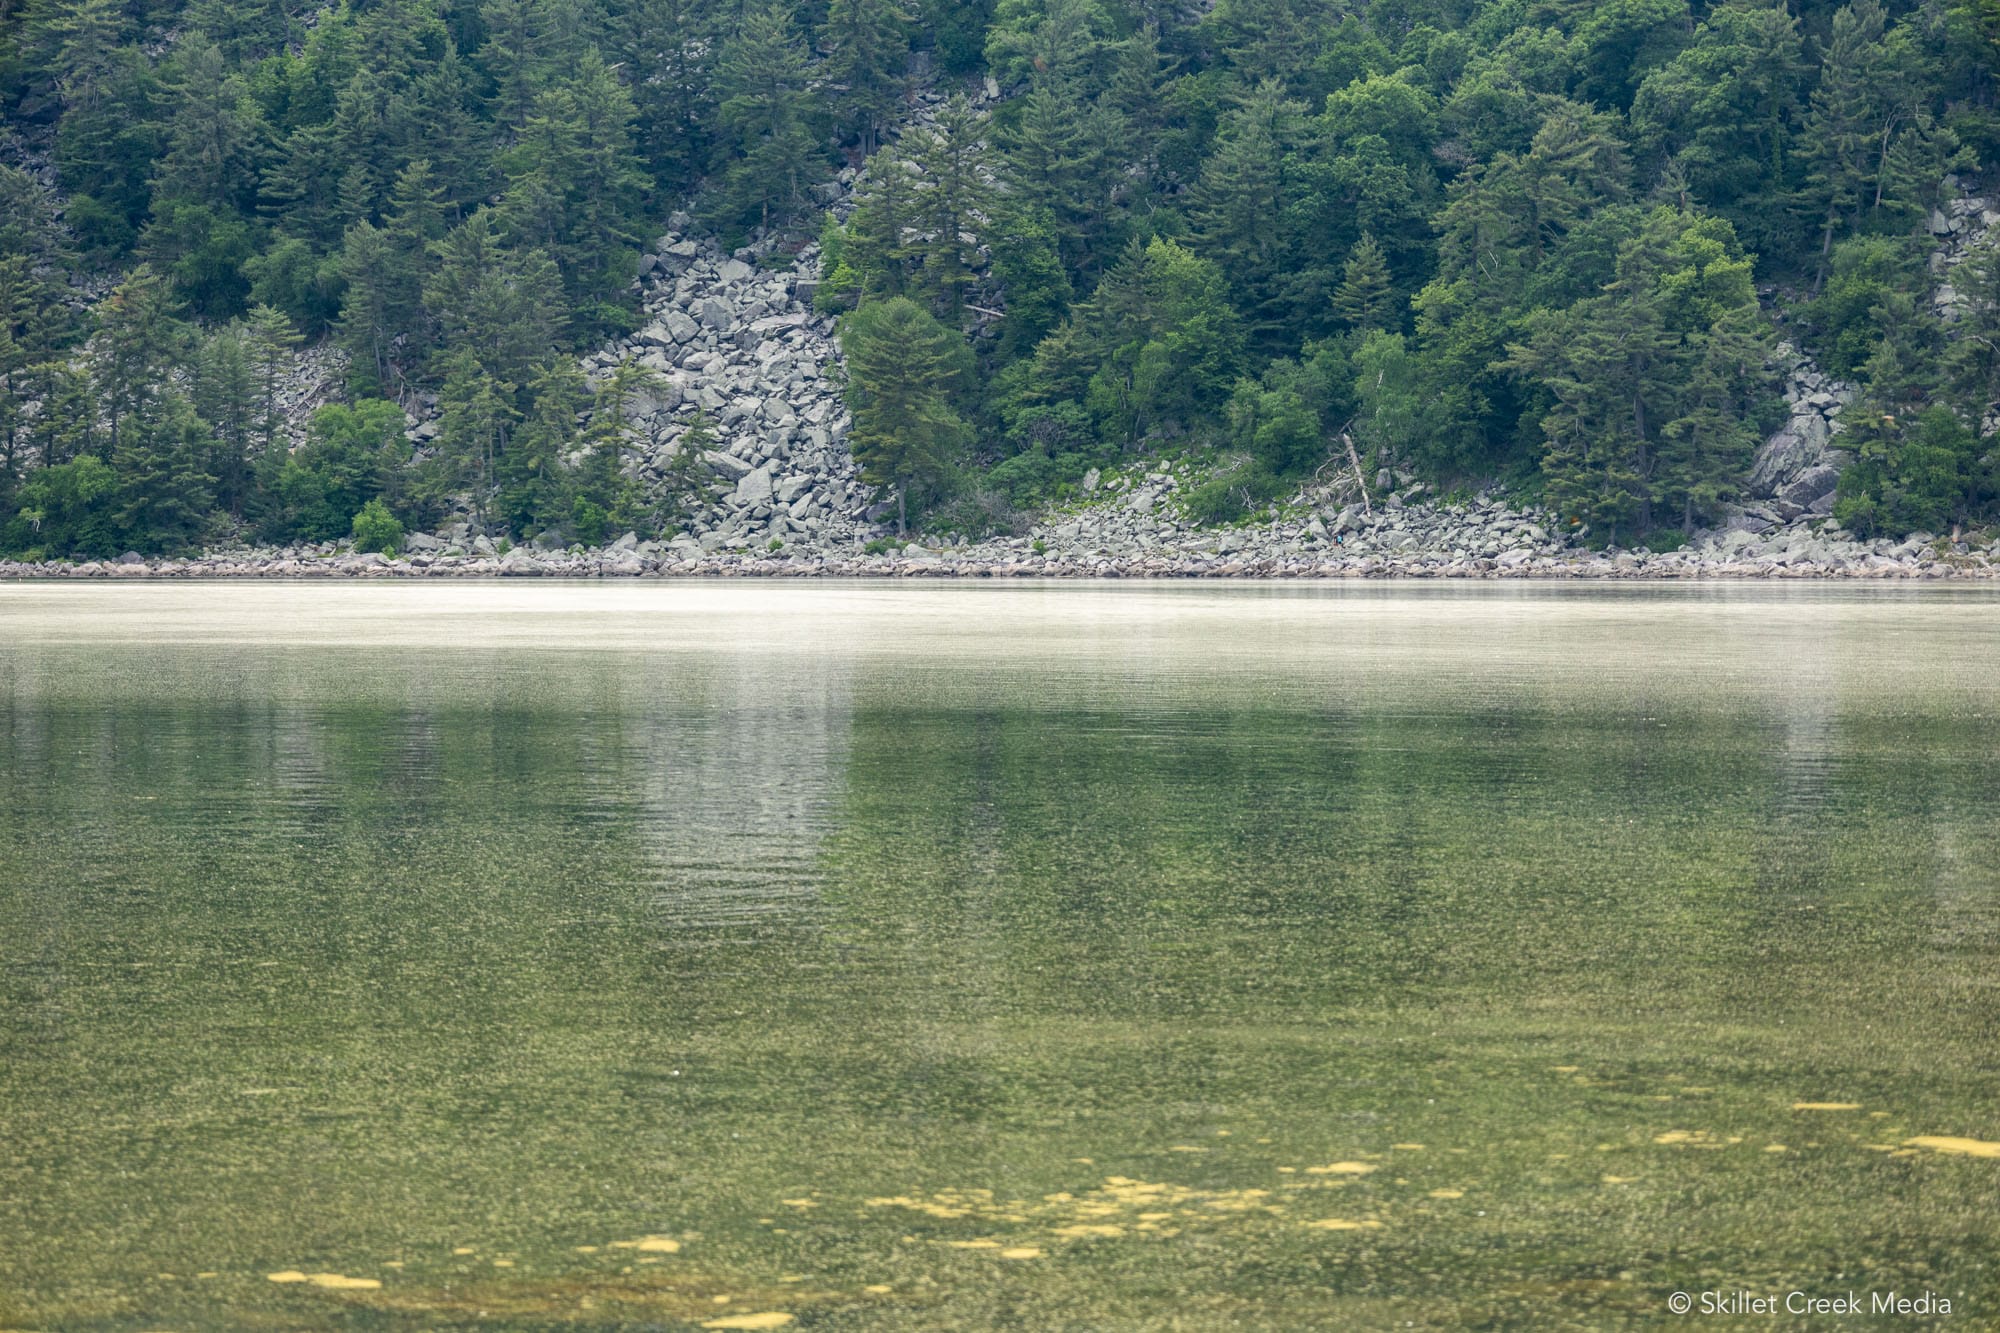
x: 1921, y: 474
x: 1235, y: 488
x: 376, y: 529
x: 589, y: 520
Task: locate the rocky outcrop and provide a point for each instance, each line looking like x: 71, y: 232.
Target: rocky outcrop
x: 1959, y: 228
x: 738, y: 346
x: 1132, y: 526
x: 1798, y: 466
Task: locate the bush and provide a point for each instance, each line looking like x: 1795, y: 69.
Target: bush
x: 349, y: 455
x: 1234, y: 489
x: 1843, y: 318
x: 589, y: 520
x: 376, y: 529
x: 1911, y: 475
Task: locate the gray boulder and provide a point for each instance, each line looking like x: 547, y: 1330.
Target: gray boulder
x: 1789, y: 453
x: 755, y: 487
x: 728, y: 465
x: 1810, y: 485
x: 678, y: 326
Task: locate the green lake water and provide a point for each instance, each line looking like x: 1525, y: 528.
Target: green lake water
x: 972, y: 957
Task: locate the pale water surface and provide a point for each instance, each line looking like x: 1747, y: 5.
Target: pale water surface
x: 967, y: 957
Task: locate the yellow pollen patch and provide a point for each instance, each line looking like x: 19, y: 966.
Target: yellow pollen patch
x: 1021, y: 1252
x: 878, y: 1289
x: 765, y: 1319
x: 1340, y: 1169
x: 1406, y: 1147
x: 289, y: 1275
x: 335, y: 1282
x: 1776, y: 1147
x: 1826, y: 1106
x: 973, y: 1244
x: 1619, y: 1180
x: 503, y: 1263
x: 586, y: 1249
x: 1342, y: 1224
x: 1081, y: 1229
x: 1447, y: 1194
x: 799, y: 1203
x: 1963, y: 1147
x: 651, y: 1245
x: 1564, y: 1069
x: 1186, y: 1147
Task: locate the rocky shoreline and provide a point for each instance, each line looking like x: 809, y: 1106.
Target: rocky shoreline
x: 1428, y: 542
x: 1133, y: 524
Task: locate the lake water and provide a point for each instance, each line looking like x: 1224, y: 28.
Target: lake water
x: 971, y: 957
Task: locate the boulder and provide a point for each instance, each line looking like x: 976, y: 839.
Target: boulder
x: 678, y: 326
x: 1788, y: 453
x: 755, y: 486
x: 728, y: 465
x: 1809, y: 485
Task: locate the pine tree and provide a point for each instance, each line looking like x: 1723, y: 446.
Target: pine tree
x: 139, y: 337
x: 903, y: 369
x: 515, y: 55
x: 1365, y: 298
x: 367, y: 328
x: 767, y: 108
x: 864, y: 42
x: 667, y: 48
x: 225, y: 396
x: 163, y: 495
x: 875, y: 256
x: 272, y: 340
x: 1844, y: 121
x: 952, y: 204
x: 1239, y: 204
x: 476, y: 417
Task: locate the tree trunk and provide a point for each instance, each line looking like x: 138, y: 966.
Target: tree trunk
x: 902, y: 514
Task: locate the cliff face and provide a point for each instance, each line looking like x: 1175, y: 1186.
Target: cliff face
x: 1798, y: 467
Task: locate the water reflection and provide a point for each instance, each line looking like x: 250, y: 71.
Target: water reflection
x: 979, y: 957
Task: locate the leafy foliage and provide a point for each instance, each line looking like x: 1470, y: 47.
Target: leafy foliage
x: 1489, y: 240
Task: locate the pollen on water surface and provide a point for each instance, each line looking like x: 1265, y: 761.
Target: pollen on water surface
x: 1826, y: 1106
x: 764, y: 1319
x: 331, y: 1281
x: 1946, y: 1143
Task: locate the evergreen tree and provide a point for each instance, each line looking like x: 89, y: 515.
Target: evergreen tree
x: 865, y: 42
x: 271, y: 344
x: 903, y: 370
x: 952, y: 204
x: 225, y: 396
x: 1365, y: 300
x: 768, y: 111
x: 163, y: 494
x: 139, y: 337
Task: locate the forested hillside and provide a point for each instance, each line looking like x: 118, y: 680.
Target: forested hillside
x: 1546, y: 243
